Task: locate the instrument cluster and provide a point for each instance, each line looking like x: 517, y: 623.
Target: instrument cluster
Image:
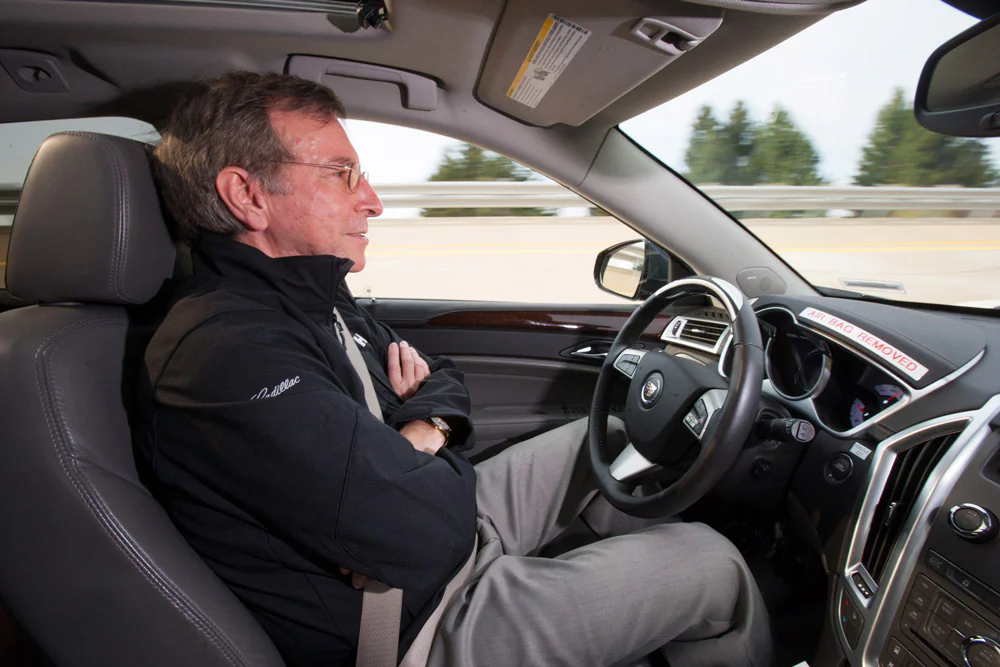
x: 845, y: 392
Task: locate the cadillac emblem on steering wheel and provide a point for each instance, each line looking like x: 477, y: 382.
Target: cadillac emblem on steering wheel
x: 651, y: 390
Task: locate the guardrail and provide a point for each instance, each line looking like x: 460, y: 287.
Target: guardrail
x: 542, y: 194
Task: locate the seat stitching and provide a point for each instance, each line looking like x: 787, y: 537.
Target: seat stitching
x: 112, y: 527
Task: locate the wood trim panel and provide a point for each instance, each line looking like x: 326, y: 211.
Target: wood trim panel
x: 585, y: 322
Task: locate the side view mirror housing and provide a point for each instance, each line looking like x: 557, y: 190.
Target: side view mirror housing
x: 634, y: 269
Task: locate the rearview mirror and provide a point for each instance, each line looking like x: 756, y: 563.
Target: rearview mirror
x: 959, y: 89
x: 633, y: 269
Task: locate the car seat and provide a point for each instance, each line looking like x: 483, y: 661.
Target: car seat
x: 90, y: 563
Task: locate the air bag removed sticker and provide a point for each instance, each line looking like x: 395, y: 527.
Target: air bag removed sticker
x: 555, y: 46
x: 894, y: 357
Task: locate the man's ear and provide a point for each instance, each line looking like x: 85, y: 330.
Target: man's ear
x: 244, y: 197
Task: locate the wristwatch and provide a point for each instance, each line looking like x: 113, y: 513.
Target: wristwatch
x: 441, y: 426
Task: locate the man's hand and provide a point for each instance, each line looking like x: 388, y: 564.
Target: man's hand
x: 357, y: 580
x: 423, y: 436
x: 406, y: 369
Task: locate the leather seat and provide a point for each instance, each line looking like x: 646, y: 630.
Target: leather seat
x: 90, y: 564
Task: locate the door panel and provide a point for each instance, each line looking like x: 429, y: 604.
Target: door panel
x: 517, y: 359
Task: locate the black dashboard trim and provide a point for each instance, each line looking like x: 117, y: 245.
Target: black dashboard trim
x: 942, y: 345
x: 807, y: 406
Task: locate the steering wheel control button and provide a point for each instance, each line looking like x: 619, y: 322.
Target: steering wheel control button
x: 851, y: 620
x: 973, y: 523
x: 981, y: 652
x: 860, y: 584
x: 628, y: 361
x: 652, y: 388
x: 839, y: 468
x: 696, y: 417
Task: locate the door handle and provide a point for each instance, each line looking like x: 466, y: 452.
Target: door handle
x: 591, y: 351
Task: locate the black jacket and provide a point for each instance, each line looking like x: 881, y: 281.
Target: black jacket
x: 256, y: 437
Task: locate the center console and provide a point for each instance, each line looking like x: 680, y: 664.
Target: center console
x: 921, y: 582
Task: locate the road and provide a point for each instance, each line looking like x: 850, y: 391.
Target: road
x: 551, y: 260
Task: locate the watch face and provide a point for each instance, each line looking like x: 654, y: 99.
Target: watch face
x: 441, y: 424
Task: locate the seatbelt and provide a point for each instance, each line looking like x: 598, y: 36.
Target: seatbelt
x: 381, y: 606
x: 354, y: 354
x: 420, y: 649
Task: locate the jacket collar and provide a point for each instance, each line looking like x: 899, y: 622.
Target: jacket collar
x: 310, y: 282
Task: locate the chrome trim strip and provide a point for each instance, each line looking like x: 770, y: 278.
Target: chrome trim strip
x: 879, y: 610
x: 727, y: 293
x: 630, y: 464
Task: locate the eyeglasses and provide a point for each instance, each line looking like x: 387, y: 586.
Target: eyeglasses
x: 354, y: 173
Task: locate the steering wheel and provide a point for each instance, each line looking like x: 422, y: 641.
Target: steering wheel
x: 676, y: 404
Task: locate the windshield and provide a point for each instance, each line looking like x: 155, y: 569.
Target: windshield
x: 813, y: 146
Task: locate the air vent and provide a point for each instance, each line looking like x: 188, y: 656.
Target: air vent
x: 909, y: 473
x: 705, y: 333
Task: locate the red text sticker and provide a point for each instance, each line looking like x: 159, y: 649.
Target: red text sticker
x: 892, y: 355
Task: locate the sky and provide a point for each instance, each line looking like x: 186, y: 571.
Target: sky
x: 833, y: 77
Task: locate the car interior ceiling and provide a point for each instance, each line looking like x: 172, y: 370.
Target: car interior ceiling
x: 135, y: 59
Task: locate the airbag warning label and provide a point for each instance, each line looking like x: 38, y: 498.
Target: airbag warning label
x: 554, y: 48
x: 891, y: 355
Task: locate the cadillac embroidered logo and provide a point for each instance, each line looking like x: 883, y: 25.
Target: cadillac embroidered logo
x: 651, y: 390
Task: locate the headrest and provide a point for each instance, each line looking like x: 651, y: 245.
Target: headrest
x: 88, y: 225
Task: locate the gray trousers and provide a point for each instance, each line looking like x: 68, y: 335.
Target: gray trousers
x: 646, y: 585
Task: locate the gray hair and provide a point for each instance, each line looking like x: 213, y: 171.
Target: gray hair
x: 226, y: 122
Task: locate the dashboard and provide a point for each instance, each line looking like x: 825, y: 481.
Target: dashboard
x: 900, y: 487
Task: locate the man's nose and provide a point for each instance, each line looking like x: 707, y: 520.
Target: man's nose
x: 368, y: 201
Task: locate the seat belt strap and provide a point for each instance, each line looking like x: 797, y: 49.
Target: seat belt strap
x: 378, y: 643
x: 381, y: 606
x: 354, y: 354
x: 420, y: 649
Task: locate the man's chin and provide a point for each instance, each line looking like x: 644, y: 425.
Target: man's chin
x: 359, y: 264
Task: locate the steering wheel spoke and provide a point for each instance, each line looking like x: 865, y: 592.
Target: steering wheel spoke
x: 628, y: 360
x: 701, y: 413
x: 630, y: 465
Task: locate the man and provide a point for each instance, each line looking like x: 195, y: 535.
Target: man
x: 295, y: 487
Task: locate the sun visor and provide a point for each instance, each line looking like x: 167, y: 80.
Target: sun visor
x: 564, y: 61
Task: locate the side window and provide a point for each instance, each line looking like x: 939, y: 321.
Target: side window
x: 463, y: 223
x: 18, y: 143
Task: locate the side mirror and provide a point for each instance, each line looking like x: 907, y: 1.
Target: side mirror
x: 634, y: 269
x: 959, y: 89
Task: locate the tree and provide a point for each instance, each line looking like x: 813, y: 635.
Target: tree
x: 466, y: 162
x: 706, y: 157
x: 783, y: 154
x: 901, y: 152
x: 883, y: 142
x: 720, y: 153
x: 739, y: 137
